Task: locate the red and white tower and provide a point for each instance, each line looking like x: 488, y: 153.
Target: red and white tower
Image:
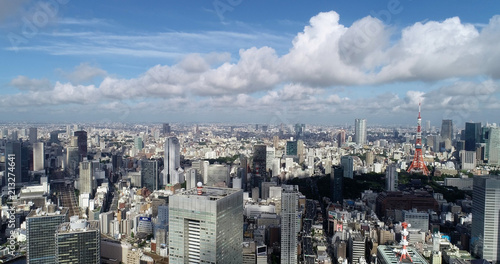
x: 418, y: 165
x: 404, y: 252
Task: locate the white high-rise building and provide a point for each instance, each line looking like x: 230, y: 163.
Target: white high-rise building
x: 289, y: 214
x: 205, y: 226
x: 360, y: 131
x: 38, y: 156
x: 86, y: 183
x: 391, y: 178
x: 172, y: 161
x: 486, y: 214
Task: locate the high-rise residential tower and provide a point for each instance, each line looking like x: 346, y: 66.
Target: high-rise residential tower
x: 289, y: 214
x: 485, y: 234
x: 360, y: 131
x: 172, y: 160
x: 391, y: 178
x: 206, y: 226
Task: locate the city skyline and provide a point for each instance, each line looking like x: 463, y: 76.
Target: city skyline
x: 233, y: 62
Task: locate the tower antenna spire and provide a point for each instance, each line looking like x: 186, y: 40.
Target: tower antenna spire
x: 418, y: 165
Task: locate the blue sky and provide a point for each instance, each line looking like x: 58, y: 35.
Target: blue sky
x: 249, y: 61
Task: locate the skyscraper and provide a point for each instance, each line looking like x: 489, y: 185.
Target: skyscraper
x: 38, y: 156
x: 150, y: 174
x: 33, y: 134
x: 259, y: 159
x: 472, y: 135
x: 13, y: 149
x: 166, y: 129
x: 289, y: 214
x: 336, y: 184
x: 347, y: 164
x: 172, y: 160
x: 82, y: 143
x: 391, y: 178
x: 206, y: 226
x: 86, y: 182
x: 341, y: 138
x: 492, y: 151
x: 485, y: 238
x: 78, y: 241
x: 360, y: 131
x: 138, y: 143
x: 291, y: 148
x: 446, y: 130
x: 41, y: 228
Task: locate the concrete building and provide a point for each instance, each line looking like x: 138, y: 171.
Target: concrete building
x: 360, y: 131
x: 206, y: 226
x: 172, y: 161
x: 289, y: 214
x: 486, y: 214
x: 150, y: 174
x: 38, y: 156
x: 41, y: 226
x: 78, y: 241
x: 387, y: 255
x: 391, y: 178
x: 418, y: 220
x: 348, y: 165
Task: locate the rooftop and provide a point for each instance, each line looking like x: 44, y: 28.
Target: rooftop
x: 78, y: 226
x: 209, y: 193
x: 51, y: 212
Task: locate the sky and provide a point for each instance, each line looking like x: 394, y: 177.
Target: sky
x: 242, y: 61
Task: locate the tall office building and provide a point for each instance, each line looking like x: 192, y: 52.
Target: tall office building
x: 86, y: 182
x: 347, y: 164
x: 13, y: 150
x: 391, y: 178
x: 33, y: 135
x: 336, y: 184
x: 270, y: 153
x: 291, y: 148
x: 41, y: 228
x: 172, y: 160
x: 472, y: 135
x: 72, y: 160
x: 485, y: 238
x: 447, y: 130
x: 218, y: 175
x: 341, y: 138
x: 360, y: 131
x: 82, y: 143
x: 150, y: 174
x: 78, y: 241
x: 259, y: 159
x: 206, y: 226
x: 138, y: 143
x: 166, y: 129
x: 289, y: 214
x: 492, y: 149
x: 38, y: 156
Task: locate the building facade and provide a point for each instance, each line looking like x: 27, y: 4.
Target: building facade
x: 41, y: 228
x: 360, y: 131
x: 206, y: 226
x: 289, y: 214
x: 78, y: 241
x: 486, y: 214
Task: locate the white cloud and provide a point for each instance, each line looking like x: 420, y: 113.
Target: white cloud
x: 83, y: 73
x: 24, y: 83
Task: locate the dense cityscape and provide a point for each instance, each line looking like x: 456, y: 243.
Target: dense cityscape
x: 236, y: 131
x: 249, y: 193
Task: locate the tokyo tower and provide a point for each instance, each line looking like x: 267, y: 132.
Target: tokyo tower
x: 417, y: 165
